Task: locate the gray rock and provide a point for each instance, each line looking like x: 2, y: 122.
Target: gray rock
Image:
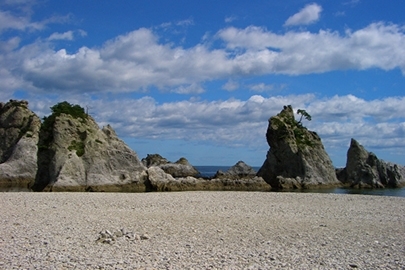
x: 75, y: 155
x: 19, y: 134
x: 181, y: 168
x: 159, y: 180
x: 297, y: 158
x: 364, y: 170
x: 239, y: 170
x: 154, y: 160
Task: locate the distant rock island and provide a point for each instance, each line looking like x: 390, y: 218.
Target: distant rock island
x: 67, y: 151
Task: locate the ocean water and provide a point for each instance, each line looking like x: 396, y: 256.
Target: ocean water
x: 209, y: 171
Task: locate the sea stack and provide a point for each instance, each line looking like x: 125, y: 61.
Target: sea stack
x: 297, y: 158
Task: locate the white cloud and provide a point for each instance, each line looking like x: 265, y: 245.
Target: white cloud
x: 309, y: 14
x: 187, y: 22
x: 8, y: 20
x: 261, y: 87
x: 378, y: 45
x: 62, y: 36
x: 137, y: 60
x: 230, y: 85
x: 193, y: 88
x: 230, y: 19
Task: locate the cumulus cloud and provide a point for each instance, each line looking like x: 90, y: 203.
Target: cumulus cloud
x: 375, y: 46
x: 309, y: 14
x: 138, y: 60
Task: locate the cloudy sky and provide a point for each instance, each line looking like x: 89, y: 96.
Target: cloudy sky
x: 199, y: 79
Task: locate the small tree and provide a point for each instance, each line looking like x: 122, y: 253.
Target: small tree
x: 303, y: 114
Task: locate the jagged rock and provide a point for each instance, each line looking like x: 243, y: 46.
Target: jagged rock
x: 237, y: 171
x: 297, y: 158
x: 364, y: 170
x: 19, y: 134
x: 75, y: 155
x: 181, y: 168
x: 154, y: 160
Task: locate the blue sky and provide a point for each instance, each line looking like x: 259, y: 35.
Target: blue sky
x: 199, y: 79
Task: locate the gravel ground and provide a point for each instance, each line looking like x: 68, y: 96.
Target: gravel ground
x: 201, y: 230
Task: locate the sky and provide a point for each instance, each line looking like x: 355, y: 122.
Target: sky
x: 200, y: 79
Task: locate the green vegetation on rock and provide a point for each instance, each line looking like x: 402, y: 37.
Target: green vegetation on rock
x: 63, y: 107
x: 78, y: 146
x: 286, y: 121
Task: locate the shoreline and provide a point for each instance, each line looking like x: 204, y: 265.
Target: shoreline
x: 202, y: 230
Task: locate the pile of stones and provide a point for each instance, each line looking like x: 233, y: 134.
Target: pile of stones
x: 108, y: 237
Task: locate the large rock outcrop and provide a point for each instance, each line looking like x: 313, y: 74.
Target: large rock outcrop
x: 19, y: 134
x: 76, y: 155
x: 364, y: 170
x: 297, y: 158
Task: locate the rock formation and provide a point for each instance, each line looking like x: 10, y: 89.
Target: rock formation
x: 19, y: 133
x: 161, y: 181
x: 181, y: 168
x: 364, y: 170
x: 76, y: 155
x: 154, y: 160
x: 297, y: 158
x: 237, y: 171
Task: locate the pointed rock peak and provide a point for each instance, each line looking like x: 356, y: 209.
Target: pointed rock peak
x: 354, y: 143
x: 182, y: 161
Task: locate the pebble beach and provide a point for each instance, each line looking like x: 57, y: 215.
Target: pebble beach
x: 201, y: 230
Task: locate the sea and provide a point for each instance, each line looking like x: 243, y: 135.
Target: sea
x: 210, y: 171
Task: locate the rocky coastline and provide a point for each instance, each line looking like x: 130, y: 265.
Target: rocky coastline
x: 67, y: 151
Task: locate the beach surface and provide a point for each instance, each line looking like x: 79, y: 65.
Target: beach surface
x: 201, y: 230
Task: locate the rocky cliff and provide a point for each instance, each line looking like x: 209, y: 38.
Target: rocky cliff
x: 364, y: 170
x: 76, y: 155
x: 297, y: 158
x: 19, y: 134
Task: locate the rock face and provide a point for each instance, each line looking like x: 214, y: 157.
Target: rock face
x: 364, y: 170
x: 76, y: 155
x: 19, y: 133
x: 237, y: 171
x: 297, y: 158
x: 181, y: 168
